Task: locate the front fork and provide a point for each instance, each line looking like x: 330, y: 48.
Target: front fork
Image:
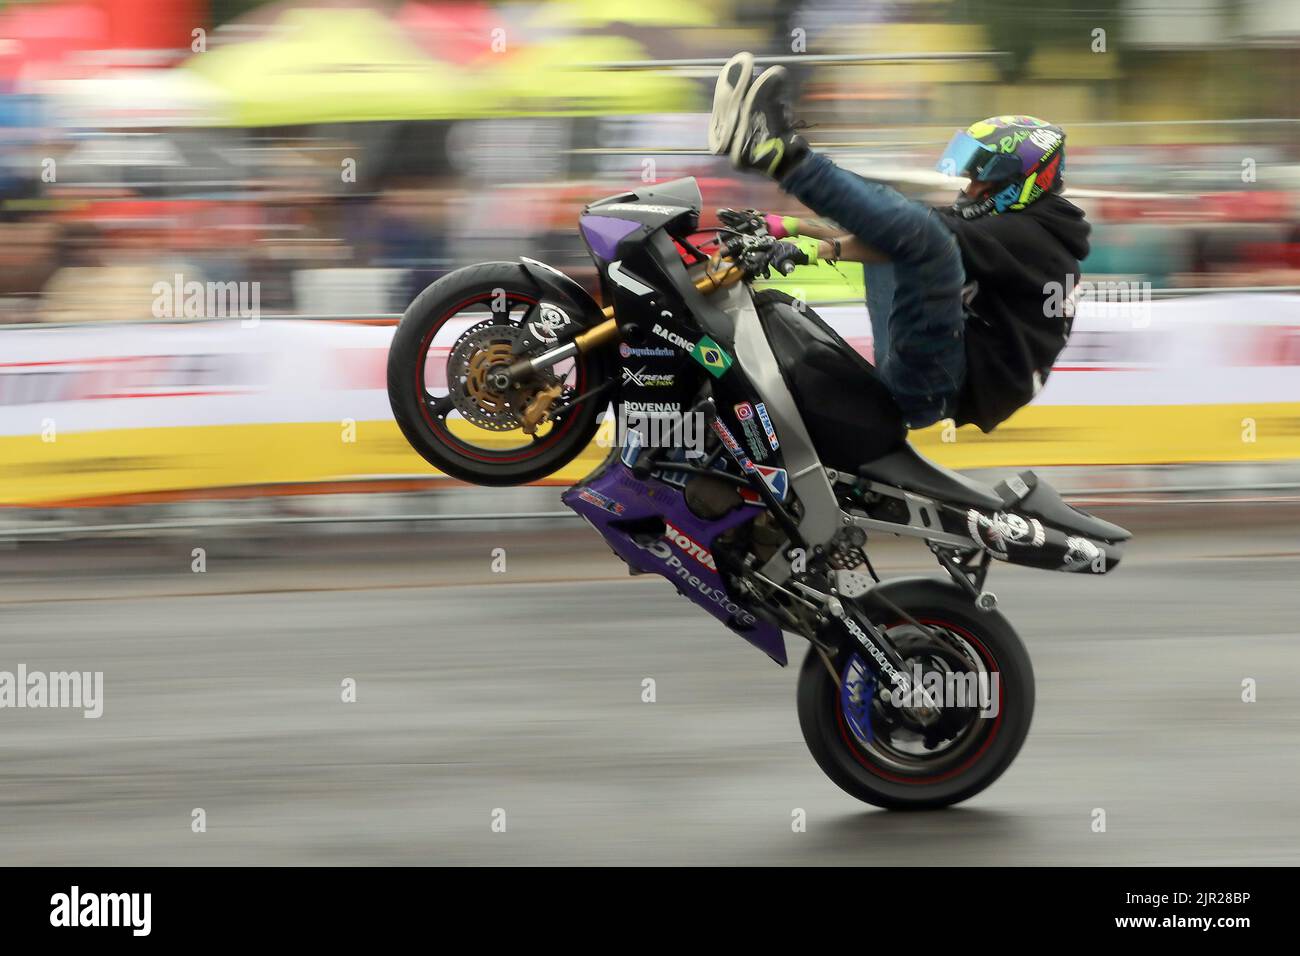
x: 504, y: 376
x: 718, y: 274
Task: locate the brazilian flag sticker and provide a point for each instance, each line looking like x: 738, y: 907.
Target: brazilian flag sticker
x: 712, y: 356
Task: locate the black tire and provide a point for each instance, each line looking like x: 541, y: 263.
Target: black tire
x: 429, y: 436
x: 860, y: 773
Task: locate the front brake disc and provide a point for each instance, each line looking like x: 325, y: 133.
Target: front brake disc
x: 480, y: 350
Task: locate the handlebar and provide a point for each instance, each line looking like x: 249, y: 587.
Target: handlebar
x: 756, y: 251
x: 756, y: 256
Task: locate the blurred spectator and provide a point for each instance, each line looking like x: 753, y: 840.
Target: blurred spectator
x: 30, y: 252
x: 416, y: 151
x: 110, y: 276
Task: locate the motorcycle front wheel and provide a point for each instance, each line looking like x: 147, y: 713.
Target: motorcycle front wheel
x: 906, y: 757
x: 455, y: 333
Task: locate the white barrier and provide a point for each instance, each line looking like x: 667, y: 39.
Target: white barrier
x: 91, y: 412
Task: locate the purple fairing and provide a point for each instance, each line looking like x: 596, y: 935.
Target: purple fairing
x: 615, y: 487
x: 604, y: 233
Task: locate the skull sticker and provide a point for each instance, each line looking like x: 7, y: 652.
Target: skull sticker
x: 546, y: 327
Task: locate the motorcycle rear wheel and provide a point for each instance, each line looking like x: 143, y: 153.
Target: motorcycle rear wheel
x: 867, y: 770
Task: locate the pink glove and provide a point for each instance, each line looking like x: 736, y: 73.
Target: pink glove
x: 777, y: 225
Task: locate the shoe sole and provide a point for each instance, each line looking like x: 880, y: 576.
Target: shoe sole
x: 770, y: 75
x: 728, y: 95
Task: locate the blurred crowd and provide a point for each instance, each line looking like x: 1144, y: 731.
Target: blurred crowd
x: 344, y: 154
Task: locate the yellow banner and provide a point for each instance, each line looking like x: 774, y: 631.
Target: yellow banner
x: 133, y: 462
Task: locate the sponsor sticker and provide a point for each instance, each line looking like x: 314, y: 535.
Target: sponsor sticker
x: 1001, y: 529
x: 546, y: 327
x: 652, y: 408
x: 628, y: 351
x: 1083, y: 553
x: 900, y: 679
x: 712, y: 356
x: 729, y: 442
x: 647, y: 379
x: 676, y: 570
x: 776, y: 479
x: 753, y: 437
x: 690, y: 546
x: 591, y: 496
x: 640, y: 207
x: 683, y: 343
x: 767, y: 425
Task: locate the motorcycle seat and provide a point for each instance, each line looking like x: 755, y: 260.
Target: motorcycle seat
x: 906, y: 469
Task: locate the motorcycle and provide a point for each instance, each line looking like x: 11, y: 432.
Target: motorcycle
x: 755, y: 454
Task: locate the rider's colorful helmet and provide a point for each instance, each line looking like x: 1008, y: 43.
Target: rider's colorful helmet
x: 1021, y: 154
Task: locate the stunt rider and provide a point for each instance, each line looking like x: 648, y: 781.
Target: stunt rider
x: 965, y: 301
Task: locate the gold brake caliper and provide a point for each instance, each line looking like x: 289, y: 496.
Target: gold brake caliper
x: 538, y: 408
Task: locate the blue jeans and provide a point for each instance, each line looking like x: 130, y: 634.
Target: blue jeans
x: 915, y: 300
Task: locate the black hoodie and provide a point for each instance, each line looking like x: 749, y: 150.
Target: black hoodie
x: 1021, y: 262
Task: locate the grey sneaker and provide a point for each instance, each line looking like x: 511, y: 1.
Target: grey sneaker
x: 766, y: 139
x: 728, y: 95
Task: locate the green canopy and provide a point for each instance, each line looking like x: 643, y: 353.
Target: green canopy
x: 602, y: 13
x: 558, y: 77
x: 333, y: 66
x: 354, y: 65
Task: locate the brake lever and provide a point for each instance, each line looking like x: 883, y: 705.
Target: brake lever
x: 759, y: 253
x: 748, y: 222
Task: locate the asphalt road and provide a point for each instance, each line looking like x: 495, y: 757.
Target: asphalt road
x: 521, y: 691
